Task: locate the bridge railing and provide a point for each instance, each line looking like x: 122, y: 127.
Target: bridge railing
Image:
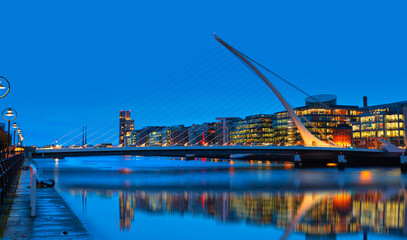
x: 8, y: 171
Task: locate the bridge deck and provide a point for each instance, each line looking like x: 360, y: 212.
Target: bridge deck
x: 310, y: 154
x: 205, y: 150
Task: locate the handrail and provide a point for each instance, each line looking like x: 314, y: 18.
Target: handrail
x: 8, y: 171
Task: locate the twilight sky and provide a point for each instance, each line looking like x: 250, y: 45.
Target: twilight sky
x: 70, y: 62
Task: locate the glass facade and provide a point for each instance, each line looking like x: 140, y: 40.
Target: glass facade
x: 126, y: 125
x: 253, y: 129
x: 321, y: 122
x: 383, y: 121
x: 344, y: 125
x: 205, y: 134
x: 141, y: 137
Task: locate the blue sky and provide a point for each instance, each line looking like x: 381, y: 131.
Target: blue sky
x: 69, y: 61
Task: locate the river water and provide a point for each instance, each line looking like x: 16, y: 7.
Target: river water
x: 132, y: 197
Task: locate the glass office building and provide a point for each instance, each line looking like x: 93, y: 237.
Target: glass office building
x: 321, y: 116
x: 385, y: 121
x: 253, y: 129
x: 205, y: 134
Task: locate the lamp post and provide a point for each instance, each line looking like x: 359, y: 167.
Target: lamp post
x: 4, y: 87
x: 9, y: 114
x: 15, y: 127
x: 20, y: 138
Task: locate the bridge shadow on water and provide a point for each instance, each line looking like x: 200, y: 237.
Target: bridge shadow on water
x: 155, y: 198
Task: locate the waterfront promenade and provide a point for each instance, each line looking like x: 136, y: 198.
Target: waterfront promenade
x: 54, y: 219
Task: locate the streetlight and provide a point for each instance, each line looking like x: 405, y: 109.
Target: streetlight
x: 4, y: 87
x: 21, y: 138
x: 15, y: 127
x: 9, y: 114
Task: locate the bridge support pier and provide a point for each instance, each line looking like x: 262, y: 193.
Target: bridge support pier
x: 297, y: 161
x: 341, y: 162
x: 403, y: 163
x: 189, y: 157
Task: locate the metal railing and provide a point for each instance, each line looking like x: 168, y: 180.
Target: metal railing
x: 8, y: 171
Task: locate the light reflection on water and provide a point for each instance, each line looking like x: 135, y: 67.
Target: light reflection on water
x: 155, y: 198
x: 334, y: 213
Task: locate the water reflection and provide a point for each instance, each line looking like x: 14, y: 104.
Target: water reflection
x: 162, y: 198
x: 313, y: 213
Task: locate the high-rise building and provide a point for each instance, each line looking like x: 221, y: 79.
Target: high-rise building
x: 126, y: 125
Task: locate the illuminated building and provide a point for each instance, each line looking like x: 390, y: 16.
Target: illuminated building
x: 206, y: 134
x: 176, y: 135
x: 226, y: 124
x: 126, y: 125
x: 384, y: 121
x: 156, y: 137
x: 168, y: 136
x: 320, y: 117
x: 342, y: 136
x: 252, y: 129
x: 141, y: 137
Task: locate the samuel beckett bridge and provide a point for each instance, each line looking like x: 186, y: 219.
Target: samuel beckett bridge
x: 313, y: 151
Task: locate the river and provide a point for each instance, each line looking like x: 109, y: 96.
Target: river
x: 134, y: 197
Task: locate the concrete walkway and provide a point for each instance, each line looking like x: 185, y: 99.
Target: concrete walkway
x: 54, y: 220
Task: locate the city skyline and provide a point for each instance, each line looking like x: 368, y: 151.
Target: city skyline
x: 203, y: 119
x: 75, y: 71
x: 342, y: 125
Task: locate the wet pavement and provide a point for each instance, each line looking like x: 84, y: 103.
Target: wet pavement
x: 54, y: 219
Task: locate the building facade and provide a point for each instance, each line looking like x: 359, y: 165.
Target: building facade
x: 386, y: 121
x: 226, y: 125
x: 205, y: 134
x: 126, y: 125
x: 321, y: 116
x: 169, y: 136
x: 344, y: 125
x: 342, y: 136
x: 142, y: 137
x: 253, y: 129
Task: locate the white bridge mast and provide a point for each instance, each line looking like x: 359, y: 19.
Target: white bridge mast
x: 309, y: 139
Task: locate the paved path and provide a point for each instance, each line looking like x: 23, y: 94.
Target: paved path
x: 54, y: 219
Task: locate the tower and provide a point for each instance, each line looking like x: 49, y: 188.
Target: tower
x: 126, y: 125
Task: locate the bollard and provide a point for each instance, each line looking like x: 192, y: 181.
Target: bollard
x: 341, y: 162
x: 403, y: 163
x: 189, y: 157
x: 297, y: 161
x: 33, y: 188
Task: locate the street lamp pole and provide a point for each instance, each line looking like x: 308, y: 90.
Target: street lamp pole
x: 15, y: 127
x: 9, y: 114
x: 20, y: 138
x: 2, y: 87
